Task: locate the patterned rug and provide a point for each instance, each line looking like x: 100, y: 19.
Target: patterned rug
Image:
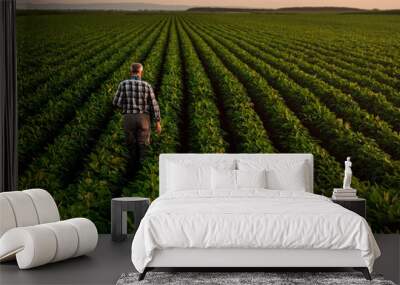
x: 244, y: 278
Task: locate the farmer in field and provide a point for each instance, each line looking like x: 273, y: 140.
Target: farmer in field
x: 137, y: 100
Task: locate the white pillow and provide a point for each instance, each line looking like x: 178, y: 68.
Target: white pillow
x: 251, y: 178
x: 281, y: 174
x: 290, y: 178
x: 223, y: 179
x: 181, y: 177
x: 229, y: 180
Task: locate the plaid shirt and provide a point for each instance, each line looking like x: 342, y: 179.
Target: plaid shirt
x: 136, y: 96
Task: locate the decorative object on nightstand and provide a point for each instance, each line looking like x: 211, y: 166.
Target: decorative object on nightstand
x: 357, y: 205
x: 347, y: 196
x: 345, y: 193
x: 119, y: 209
x: 348, y: 173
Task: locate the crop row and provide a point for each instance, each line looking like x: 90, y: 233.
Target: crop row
x: 181, y: 59
x: 40, y: 36
x: 349, y: 53
x: 337, y: 101
x: 247, y: 129
x: 321, y: 122
x: 33, y: 73
x: 228, y: 58
x: 289, y: 135
x: 35, y: 48
x: 43, y: 126
x: 363, y: 88
x: 382, y: 56
x: 205, y: 134
x: 354, y: 75
x: 371, y: 76
x: 366, y: 76
x: 375, y: 103
x: 360, y: 58
x: 68, y: 45
x: 71, y: 71
x: 145, y: 181
x: 286, y: 130
x: 106, y: 167
x: 220, y: 88
x: 372, y: 79
x: 58, y: 45
x: 99, y: 181
x: 51, y: 169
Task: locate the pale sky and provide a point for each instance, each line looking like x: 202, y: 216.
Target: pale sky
x: 366, y: 4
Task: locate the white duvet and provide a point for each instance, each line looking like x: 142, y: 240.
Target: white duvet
x: 250, y: 219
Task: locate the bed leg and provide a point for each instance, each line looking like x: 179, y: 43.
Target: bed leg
x: 364, y: 271
x: 143, y: 274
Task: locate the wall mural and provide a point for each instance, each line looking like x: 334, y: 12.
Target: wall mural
x: 326, y: 84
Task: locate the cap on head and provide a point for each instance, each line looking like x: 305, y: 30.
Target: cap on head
x: 136, y: 68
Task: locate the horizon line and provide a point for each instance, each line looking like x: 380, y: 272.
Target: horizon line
x: 199, y: 6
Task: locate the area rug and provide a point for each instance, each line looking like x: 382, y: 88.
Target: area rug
x: 244, y: 278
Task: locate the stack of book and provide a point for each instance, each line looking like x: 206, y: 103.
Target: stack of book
x: 343, y: 194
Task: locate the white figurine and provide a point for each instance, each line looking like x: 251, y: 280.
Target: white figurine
x: 347, y: 174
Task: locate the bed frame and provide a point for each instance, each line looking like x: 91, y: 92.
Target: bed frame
x: 247, y: 259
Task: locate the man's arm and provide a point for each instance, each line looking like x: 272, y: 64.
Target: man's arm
x: 117, y: 101
x: 154, y: 105
x: 155, y: 109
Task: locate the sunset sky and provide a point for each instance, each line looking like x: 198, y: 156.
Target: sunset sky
x: 366, y: 4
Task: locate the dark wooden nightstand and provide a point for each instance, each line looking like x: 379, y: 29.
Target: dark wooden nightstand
x: 357, y: 205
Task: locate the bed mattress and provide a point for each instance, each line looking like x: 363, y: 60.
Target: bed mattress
x: 250, y: 219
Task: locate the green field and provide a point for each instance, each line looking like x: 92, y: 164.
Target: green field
x: 325, y: 84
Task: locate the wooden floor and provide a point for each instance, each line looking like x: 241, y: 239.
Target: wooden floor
x: 111, y: 259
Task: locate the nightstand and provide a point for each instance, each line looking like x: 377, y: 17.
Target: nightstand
x: 357, y: 205
x: 119, y: 207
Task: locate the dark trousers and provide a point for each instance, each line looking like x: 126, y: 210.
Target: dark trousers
x: 137, y: 130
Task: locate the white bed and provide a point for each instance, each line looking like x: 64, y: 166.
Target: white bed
x: 249, y: 227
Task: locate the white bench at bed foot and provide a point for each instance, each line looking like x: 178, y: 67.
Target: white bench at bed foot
x: 31, y: 231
